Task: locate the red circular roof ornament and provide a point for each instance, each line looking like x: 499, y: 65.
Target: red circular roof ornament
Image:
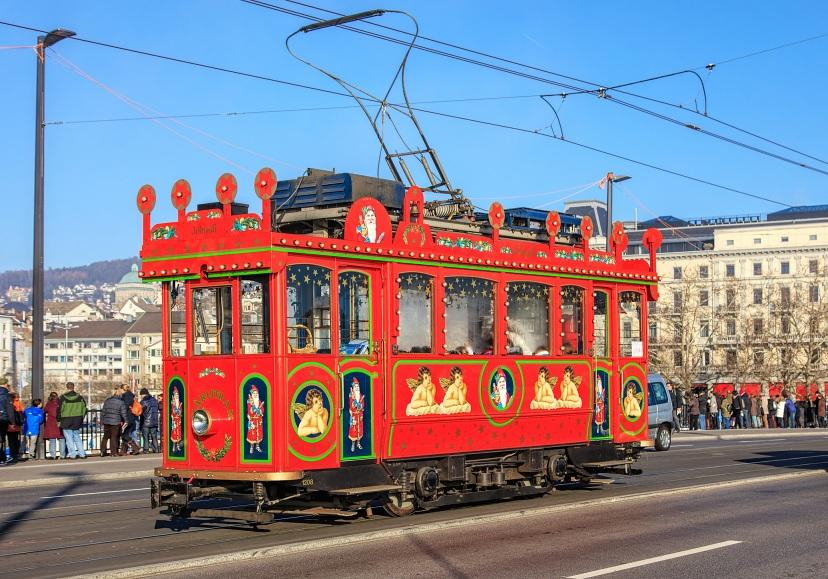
x: 146, y: 199
x: 586, y: 227
x: 181, y: 194
x: 553, y: 224
x: 226, y: 188
x: 497, y: 215
x: 265, y: 183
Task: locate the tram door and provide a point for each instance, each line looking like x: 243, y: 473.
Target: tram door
x: 360, y: 364
x: 602, y: 399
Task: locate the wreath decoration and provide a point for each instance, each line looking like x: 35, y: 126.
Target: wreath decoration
x: 214, y: 455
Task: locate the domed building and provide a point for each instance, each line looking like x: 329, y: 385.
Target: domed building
x: 131, y: 286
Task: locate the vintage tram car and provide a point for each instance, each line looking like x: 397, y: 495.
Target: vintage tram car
x: 345, y: 349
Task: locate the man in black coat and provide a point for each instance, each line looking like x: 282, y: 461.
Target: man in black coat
x: 675, y: 400
x: 6, y: 415
x: 149, y: 421
x: 113, y: 416
x: 737, y: 410
x: 747, y: 419
x: 703, y: 409
x: 127, y: 442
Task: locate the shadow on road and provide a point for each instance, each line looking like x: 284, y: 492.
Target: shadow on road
x: 791, y: 459
x: 23, y: 515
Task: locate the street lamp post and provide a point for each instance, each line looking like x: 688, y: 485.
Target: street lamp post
x: 611, y: 178
x: 43, y: 42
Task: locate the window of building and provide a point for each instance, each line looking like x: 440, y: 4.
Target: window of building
x: 730, y: 327
x: 813, y: 266
x: 416, y: 291
x: 678, y: 299
x: 785, y: 326
x: 600, y: 334
x: 653, y: 333
x: 117, y: 343
x: 629, y: 311
x: 704, y: 272
x: 813, y: 356
x: 784, y: 357
x: 730, y: 358
x: 757, y: 268
x: 469, y: 315
x: 704, y: 328
x: 212, y: 320
x: 677, y: 358
x: 116, y: 371
x: 785, y: 267
x: 354, y: 313
x: 255, y: 315
x: 812, y: 237
x: 308, y: 309
x: 729, y: 242
x: 730, y: 270
x: 676, y: 273
x: 527, y: 328
x: 757, y: 296
x: 133, y: 354
x: 784, y: 239
x: 706, y: 358
x: 572, y: 320
x: 757, y: 240
x: 730, y: 298
x: 704, y: 298
x: 678, y: 332
x: 813, y: 293
x: 785, y: 296
x: 132, y: 370
x: 758, y: 326
x: 758, y: 358
x: 176, y: 305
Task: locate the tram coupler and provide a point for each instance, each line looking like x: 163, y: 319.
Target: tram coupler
x: 179, y: 494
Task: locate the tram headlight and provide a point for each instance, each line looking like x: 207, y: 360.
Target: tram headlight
x: 200, y: 422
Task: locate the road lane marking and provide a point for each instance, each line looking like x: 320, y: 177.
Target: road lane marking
x: 681, y: 445
x: 651, y: 560
x: 97, y: 493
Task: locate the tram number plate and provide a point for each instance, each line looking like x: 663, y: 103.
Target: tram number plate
x: 307, y: 482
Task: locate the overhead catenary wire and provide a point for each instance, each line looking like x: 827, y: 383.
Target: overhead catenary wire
x: 427, y: 111
x: 617, y: 88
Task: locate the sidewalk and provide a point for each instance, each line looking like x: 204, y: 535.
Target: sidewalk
x: 748, y: 433
x: 54, y: 472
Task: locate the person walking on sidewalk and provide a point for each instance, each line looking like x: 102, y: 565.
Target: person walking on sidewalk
x: 6, y: 416
x: 51, y: 429
x: 149, y: 421
x: 34, y: 420
x: 128, y: 445
x: 820, y: 409
x: 675, y: 402
x: 71, y: 413
x: 113, y: 417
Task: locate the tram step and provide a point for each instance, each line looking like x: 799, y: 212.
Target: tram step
x: 365, y: 490
x: 606, y: 463
x: 249, y: 516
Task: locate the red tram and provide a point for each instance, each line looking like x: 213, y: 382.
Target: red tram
x: 343, y: 349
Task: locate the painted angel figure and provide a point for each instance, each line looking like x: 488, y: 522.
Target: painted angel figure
x: 422, y: 394
x: 313, y: 416
x: 255, y: 420
x: 356, y: 409
x: 569, y: 390
x: 176, y: 432
x: 454, y: 401
x: 367, y: 228
x: 544, y: 395
x: 632, y: 402
x: 599, y: 410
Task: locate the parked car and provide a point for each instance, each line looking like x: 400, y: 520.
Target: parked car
x: 660, y: 412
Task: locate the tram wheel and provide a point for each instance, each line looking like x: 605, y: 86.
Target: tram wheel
x: 397, y: 506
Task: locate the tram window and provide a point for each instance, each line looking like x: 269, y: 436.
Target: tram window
x: 469, y: 315
x: 354, y: 313
x: 527, y: 327
x: 255, y: 315
x: 629, y: 318
x: 308, y: 309
x: 176, y: 310
x: 600, y: 329
x: 572, y: 320
x: 416, y: 322
x: 212, y: 321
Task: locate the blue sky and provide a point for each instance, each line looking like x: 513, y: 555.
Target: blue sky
x: 93, y: 170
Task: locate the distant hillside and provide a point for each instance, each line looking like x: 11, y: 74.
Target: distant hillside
x: 97, y: 273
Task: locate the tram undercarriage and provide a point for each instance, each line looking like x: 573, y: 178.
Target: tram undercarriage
x: 399, y: 488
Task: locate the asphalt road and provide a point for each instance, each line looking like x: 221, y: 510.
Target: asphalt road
x: 76, y: 529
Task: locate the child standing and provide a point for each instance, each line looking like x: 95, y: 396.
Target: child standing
x: 33, y: 419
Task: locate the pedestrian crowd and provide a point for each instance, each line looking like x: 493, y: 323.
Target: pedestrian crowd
x: 703, y: 410
x: 130, y: 424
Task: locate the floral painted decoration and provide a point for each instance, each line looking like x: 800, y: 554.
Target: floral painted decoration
x: 601, y: 258
x: 214, y: 455
x: 566, y: 254
x: 209, y: 371
x: 246, y: 224
x: 163, y: 232
x: 193, y: 216
x: 214, y: 214
x: 464, y: 243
